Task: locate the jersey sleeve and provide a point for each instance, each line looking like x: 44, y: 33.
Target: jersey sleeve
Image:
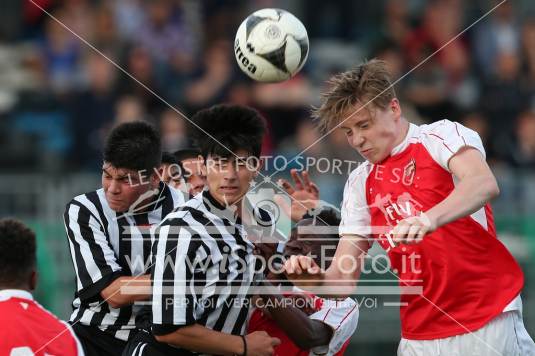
x: 94, y: 260
x: 356, y: 219
x: 443, y: 139
x: 342, y: 317
x: 174, y: 296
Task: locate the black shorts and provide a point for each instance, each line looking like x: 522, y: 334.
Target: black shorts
x: 144, y: 344
x: 96, y: 342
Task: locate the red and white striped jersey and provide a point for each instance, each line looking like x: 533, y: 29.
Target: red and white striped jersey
x: 29, y: 329
x: 465, y: 275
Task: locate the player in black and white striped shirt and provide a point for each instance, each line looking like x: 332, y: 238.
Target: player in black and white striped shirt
x: 109, y: 237
x: 204, y: 265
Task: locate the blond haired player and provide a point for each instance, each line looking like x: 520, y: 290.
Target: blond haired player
x: 423, y: 193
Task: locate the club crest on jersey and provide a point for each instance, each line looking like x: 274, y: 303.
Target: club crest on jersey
x: 409, y: 171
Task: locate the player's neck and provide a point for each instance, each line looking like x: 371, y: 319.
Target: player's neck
x: 15, y: 287
x: 403, y: 132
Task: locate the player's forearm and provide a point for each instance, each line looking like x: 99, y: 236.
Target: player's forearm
x: 331, y: 283
x: 126, y: 290
x: 303, y: 331
x: 340, y: 278
x: 470, y: 195
x: 198, y: 338
x: 342, y: 275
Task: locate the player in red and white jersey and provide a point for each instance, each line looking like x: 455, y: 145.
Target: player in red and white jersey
x: 424, y: 195
x: 27, y: 328
x: 307, y: 324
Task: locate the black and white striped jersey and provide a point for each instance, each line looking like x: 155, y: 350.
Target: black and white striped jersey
x: 204, y: 267
x: 105, y: 245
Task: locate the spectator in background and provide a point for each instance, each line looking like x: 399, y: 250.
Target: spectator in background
x: 129, y: 109
x: 105, y: 34
x: 92, y: 111
x: 213, y: 80
x: 284, y: 104
x: 499, y: 34
x: 432, y: 83
x: 396, y: 23
x: 319, y: 154
x: 528, y: 55
x: 60, y: 52
x: 503, y: 99
x: 129, y: 17
x: 140, y: 65
x: 221, y: 18
x: 79, y: 16
x: 166, y: 36
x: 389, y: 52
x: 522, y: 148
x: 173, y: 130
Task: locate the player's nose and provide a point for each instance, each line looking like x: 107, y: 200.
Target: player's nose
x: 357, y: 141
x: 114, y: 187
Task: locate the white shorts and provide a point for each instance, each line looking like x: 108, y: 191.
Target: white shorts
x: 505, y: 335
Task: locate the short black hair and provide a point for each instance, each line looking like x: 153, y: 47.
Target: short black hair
x: 17, y: 253
x: 231, y: 127
x: 327, y: 217
x: 187, y: 153
x: 169, y: 158
x: 135, y: 146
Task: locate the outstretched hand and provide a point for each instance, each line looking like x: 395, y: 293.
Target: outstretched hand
x: 304, y: 195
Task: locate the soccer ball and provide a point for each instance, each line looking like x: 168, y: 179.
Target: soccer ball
x: 271, y: 45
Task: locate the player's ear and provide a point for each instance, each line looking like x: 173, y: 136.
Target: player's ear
x: 33, y: 280
x: 395, y: 107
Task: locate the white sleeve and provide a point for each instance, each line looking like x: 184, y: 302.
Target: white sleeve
x: 443, y: 139
x: 356, y: 219
x: 342, y: 317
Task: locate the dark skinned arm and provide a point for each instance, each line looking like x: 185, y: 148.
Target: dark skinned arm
x: 306, y: 333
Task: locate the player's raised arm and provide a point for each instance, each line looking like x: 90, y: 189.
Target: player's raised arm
x: 475, y: 185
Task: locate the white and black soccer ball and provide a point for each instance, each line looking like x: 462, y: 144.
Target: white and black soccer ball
x: 271, y: 45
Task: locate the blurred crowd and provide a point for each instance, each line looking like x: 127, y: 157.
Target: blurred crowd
x: 59, y: 97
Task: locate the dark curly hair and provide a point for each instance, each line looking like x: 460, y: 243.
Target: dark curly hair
x: 17, y: 253
x: 232, y: 127
x: 135, y: 146
x: 326, y: 240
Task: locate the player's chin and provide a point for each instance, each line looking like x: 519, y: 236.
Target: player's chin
x: 116, y: 206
